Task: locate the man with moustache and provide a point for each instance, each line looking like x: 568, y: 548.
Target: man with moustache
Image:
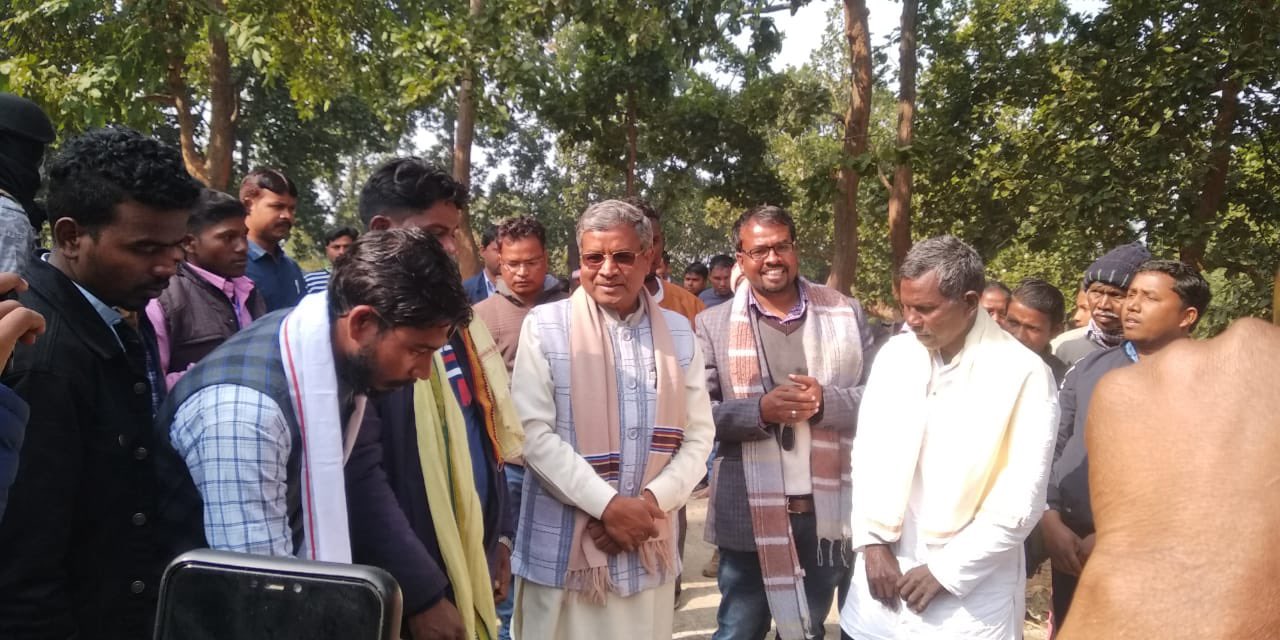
x: 955, y: 437
x: 429, y: 500
x: 785, y: 370
x: 271, y: 199
x: 1105, y: 283
x: 80, y: 556
x: 1165, y: 301
x: 617, y: 430
x: 336, y: 243
x: 525, y: 284
x: 210, y: 298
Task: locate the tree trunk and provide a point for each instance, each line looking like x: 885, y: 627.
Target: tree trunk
x: 212, y: 166
x: 222, y: 108
x: 844, y: 267
x: 632, y: 139
x: 1215, y: 184
x: 900, y: 195
x: 191, y: 154
x: 464, y: 135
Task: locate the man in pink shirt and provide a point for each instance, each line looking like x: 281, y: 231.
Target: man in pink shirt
x: 210, y: 298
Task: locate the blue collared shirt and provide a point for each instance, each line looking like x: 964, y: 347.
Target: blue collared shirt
x: 108, y: 314
x: 277, y: 277
x: 796, y: 312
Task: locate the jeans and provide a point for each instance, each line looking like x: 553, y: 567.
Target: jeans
x: 515, y: 487
x: 744, y: 608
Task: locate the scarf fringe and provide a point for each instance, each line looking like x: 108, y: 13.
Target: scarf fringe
x: 656, y: 556
x: 591, y: 584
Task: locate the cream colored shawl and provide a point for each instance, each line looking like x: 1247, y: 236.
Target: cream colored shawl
x: 960, y: 449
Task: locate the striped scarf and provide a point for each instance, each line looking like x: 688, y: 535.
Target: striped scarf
x: 830, y: 331
x: 598, y: 432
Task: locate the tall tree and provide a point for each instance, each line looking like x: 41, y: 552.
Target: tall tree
x: 464, y: 136
x: 900, y: 193
x: 857, y: 120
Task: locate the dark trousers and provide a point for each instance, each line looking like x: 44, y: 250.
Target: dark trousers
x: 744, y: 608
x: 1064, y: 587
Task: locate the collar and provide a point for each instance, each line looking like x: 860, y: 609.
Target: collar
x: 797, y: 310
x: 241, y: 285
x: 1131, y: 351
x: 256, y: 252
x: 108, y: 314
x: 551, y: 287
x: 76, y: 307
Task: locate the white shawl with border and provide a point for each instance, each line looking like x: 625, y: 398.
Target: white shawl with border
x: 307, y: 349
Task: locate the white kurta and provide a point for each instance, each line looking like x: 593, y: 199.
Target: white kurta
x: 981, y: 568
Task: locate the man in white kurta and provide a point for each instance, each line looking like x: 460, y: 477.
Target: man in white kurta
x: 630, y: 596
x: 950, y: 465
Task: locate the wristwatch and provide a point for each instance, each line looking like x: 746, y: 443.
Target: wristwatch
x: 506, y: 542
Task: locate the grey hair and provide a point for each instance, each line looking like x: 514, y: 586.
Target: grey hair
x: 611, y: 214
x: 958, y: 266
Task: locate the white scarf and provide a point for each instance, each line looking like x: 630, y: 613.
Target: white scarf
x: 958, y: 462
x: 307, y: 349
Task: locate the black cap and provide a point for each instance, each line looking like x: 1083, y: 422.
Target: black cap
x: 23, y: 118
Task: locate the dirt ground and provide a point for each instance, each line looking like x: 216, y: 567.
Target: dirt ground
x: 696, y: 609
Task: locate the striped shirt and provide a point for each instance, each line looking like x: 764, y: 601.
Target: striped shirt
x: 317, y: 281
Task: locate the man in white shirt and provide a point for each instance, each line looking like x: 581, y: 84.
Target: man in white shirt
x: 950, y: 464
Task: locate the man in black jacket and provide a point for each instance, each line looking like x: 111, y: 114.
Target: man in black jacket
x: 394, y: 525
x: 1163, y: 304
x: 80, y: 557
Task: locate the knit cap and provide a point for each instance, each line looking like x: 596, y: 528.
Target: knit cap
x: 1118, y: 266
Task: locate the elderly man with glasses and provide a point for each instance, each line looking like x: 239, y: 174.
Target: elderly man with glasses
x: 617, y: 429
x: 785, y: 367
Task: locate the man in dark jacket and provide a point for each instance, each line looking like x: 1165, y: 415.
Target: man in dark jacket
x: 211, y: 298
x: 80, y: 555
x: 484, y: 284
x: 394, y: 524
x: 1164, y: 302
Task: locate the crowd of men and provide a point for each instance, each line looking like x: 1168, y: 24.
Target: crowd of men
x: 516, y: 454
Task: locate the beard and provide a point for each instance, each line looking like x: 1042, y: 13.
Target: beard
x: 355, y: 371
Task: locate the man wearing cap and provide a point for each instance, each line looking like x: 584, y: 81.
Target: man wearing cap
x: 24, y: 132
x: 1105, y: 283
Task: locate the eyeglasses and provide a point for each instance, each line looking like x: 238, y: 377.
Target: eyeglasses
x: 760, y: 253
x: 620, y: 258
x: 517, y: 267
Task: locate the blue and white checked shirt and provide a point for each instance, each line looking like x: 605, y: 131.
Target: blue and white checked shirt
x: 236, y: 443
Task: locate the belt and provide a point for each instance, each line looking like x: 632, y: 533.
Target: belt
x: 800, y: 504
